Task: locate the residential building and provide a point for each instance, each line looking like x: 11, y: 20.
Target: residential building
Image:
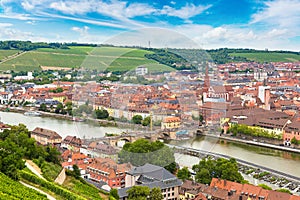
x: 291, y: 130
x: 71, y: 142
x: 170, y: 123
x: 45, y: 136
x: 141, y: 71
x: 152, y: 176
x: 243, y: 191
x: 100, y: 150
x: 108, y: 171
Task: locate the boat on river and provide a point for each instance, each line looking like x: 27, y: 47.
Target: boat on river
x: 32, y: 113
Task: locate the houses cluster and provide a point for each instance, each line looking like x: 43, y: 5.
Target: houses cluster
x: 231, y: 94
x: 220, y: 189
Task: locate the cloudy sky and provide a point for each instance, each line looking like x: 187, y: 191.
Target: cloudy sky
x: 259, y: 24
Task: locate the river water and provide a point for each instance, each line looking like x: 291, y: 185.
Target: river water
x: 278, y: 160
x: 62, y: 127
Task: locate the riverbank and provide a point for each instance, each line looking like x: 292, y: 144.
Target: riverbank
x: 261, y: 173
x: 89, y: 120
x: 256, y: 143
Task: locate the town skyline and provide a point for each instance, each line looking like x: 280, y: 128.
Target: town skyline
x: 207, y: 24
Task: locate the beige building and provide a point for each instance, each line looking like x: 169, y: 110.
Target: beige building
x: 45, y: 136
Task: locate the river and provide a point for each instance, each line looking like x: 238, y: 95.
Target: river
x: 62, y: 127
x: 276, y: 159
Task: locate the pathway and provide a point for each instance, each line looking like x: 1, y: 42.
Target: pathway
x: 40, y: 191
x: 34, y: 168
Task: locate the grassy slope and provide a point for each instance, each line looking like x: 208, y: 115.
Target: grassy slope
x: 85, y: 190
x: 5, y: 53
x: 269, y: 57
x: 111, y: 58
x: 10, y: 189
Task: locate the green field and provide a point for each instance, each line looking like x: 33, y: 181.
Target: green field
x: 5, y: 53
x: 10, y: 189
x: 269, y: 57
x: 81, y: 50
x: 100, y: 58
x: 155, y: 67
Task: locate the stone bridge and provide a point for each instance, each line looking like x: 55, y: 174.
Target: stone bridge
x: 132, y: 137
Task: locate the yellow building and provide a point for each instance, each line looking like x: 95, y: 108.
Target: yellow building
x: 171, y: 123
x: 45, y: 136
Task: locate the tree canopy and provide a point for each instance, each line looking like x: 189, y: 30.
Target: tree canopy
x: 219, y: 168
x: 184, y: 174
x: 143, y: 151
x: 144, y: 193
x: 16, y: 144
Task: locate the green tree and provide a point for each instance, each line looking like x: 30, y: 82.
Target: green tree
x: 138, y: 193
x: 76, y: 171
x: 10, y: 158
x: 101, y: 114
x: 52, y: 155
x: 43, y: 107
x: 143, y: 151
x: 155, y: 194
x: 203, y: 176
x: 59, y: 108
x: 294, y: 140
x: 184, y: 174
x: 146, y: 121
x: 220, y: 168
x: 114, y: 193
x: 137, y: 119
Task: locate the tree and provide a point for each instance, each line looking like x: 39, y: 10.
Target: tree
x: 114, y: 193
x: 184, y: 174
x: 294, y: 140
x: 146, y: 121
x: 43, y: 107
x: 10, y: 158
x: 138, y: 193
x: 155, y: 194
x: 76, y: 171
x: 220, y: 168
x: 137, y: 119
x: 101, y: 114
x: 143, y: 151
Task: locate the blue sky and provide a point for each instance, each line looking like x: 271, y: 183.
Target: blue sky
x: 259, y: 24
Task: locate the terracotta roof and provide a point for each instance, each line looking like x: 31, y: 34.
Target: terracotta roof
x: 46, y: 133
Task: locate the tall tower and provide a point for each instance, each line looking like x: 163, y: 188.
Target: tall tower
x: 206, y: 80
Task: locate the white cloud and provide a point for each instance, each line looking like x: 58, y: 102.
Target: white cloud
x: 83, y: 20
x: 186, y: 12
x: 283, y: 13
x: 83, y: 31
x: 74, y: 7
x: 3, y: 25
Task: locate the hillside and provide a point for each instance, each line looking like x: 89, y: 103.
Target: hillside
x: 269, y: 56
x: 10, y: 189
x: 100, y: 58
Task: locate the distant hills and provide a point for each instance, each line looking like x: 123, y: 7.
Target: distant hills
x: 27, y: 56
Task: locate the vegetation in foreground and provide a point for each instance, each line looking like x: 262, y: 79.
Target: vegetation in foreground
x: 82, y: 188
x: 10, y: 189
